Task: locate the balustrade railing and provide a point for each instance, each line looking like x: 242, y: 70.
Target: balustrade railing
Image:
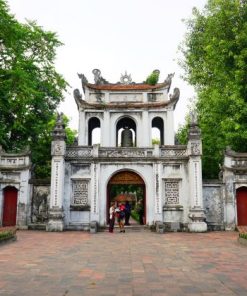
x: 124, y: 152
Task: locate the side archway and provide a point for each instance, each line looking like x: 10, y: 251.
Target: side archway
x: 241, y: 196
x: 10, y: 194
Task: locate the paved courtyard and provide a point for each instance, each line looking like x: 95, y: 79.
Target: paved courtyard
x: 134, y: 263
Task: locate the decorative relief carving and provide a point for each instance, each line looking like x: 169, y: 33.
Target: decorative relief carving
x: 196, y: 183
x: 40, y: 204
x: 126, y: 97
x: 171, y: 192
x: 80, y: 192
x: 157, y: 190
x: 78, y: 153
x: 58, y: 148
x: 195, y: 149
x: 122, y: 153
x: 12, y: 161
x: 95, y: 190
x: 57, y: 164
x: 173, y: 152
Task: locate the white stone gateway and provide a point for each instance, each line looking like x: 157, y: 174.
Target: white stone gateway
x: 126, y: 113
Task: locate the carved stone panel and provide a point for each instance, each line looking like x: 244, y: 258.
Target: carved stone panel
x: 79, y: 193
x: 39, y: 209
x: 171, y: 192
x: 195, y: 148
x: 58, y: 148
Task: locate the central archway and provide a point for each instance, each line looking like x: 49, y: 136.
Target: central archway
x: 126, y: 183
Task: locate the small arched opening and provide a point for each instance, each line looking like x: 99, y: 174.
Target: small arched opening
x: 94, y: 131
x: 158, y: 130
x: 126, y: 132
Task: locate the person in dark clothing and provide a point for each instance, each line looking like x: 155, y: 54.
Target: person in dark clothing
x: 127, y: 212
x: 120, y: 212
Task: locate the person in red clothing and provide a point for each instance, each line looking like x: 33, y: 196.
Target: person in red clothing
x: 120, y: 210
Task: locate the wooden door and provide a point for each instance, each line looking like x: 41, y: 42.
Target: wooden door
x: 9, y: 206
x: 242, y: 205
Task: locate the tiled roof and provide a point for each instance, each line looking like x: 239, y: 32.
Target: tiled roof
x: 127, y: 87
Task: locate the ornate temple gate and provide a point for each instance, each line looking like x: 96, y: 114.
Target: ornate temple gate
x: 9, y: 206
x: 126, y: 178
x: 242, y: 205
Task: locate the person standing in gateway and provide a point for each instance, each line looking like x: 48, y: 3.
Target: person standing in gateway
x: 112, y: 217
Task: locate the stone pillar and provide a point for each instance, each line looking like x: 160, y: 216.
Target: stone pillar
x: 106, y: 130
x: 56, y: 215
x: 82, y: 134
x: 196, y: 213
x: 169, y: 127
x: 146, y: 126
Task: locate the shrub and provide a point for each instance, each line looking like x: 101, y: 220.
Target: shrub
x: 243, y: 235
x: 134, y: 215
x: 153, y: 78
x: 7, y: 234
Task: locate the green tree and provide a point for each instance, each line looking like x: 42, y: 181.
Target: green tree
x: 30, y: 87
x: 215, y: 63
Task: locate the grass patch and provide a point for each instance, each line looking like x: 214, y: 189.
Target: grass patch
x: 243, y: 235
x: 6, y: 234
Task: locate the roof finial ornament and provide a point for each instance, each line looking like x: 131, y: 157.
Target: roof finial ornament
x: 176, y: 94
x: 84, y: 80
x: 98, y: 79
x: 193, y: 117
x: 168, y: 79
x: 125, y: 79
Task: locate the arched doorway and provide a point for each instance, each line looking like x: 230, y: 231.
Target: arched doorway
x: 242, y: 205
x: 127, y: 183
x: 9, y: 206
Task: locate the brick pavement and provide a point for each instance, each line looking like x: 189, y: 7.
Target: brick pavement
x: 134, y: 263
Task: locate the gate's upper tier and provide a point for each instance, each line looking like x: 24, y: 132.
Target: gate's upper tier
x: 125, y: 93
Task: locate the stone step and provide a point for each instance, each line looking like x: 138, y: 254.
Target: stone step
x: 37, y: 226
x: 128, y: 228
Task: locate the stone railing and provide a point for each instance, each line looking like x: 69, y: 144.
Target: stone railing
x: 77, y: 152
x: 173, y: 151
x: 125, y: 152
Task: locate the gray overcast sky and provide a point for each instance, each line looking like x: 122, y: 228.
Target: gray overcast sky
x: 114, y: 36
